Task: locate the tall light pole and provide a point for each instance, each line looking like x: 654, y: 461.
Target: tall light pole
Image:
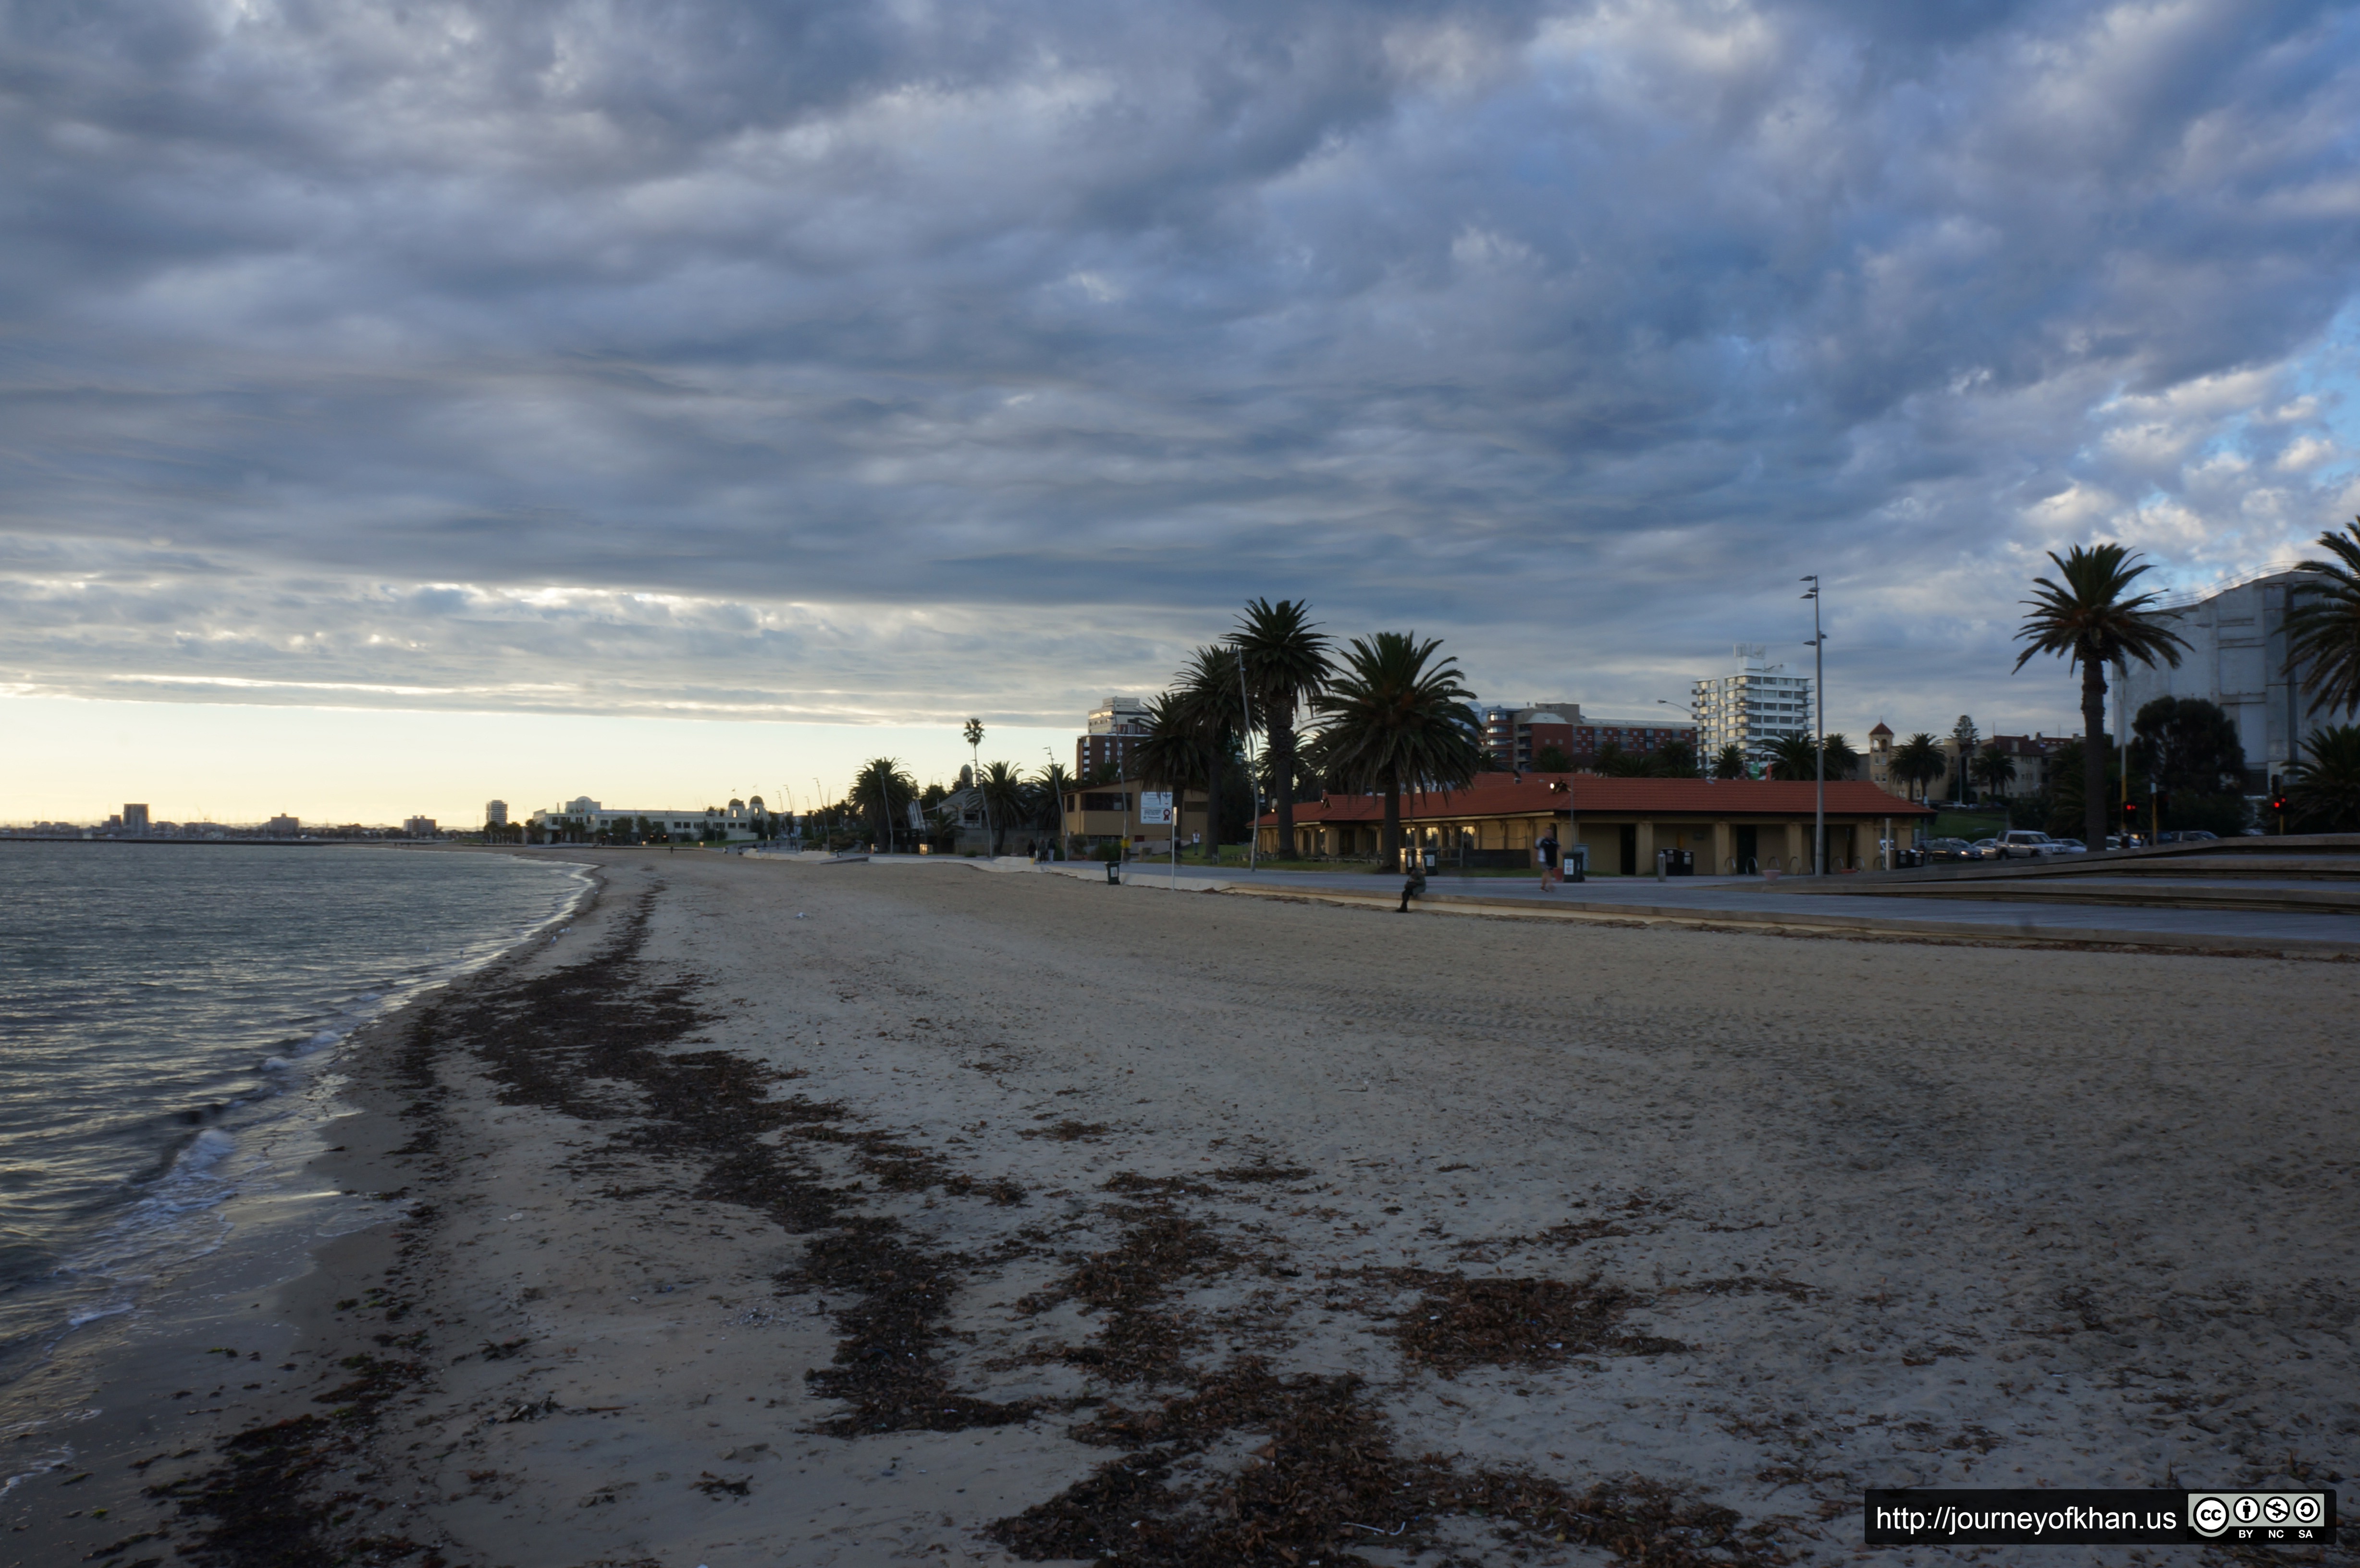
x: 1253, y: 780
x: 1818, y: 731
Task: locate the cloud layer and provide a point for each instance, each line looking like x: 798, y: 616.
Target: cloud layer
x: 905, y: 360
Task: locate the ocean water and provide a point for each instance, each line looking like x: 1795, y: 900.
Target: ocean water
x: 171, y: 1019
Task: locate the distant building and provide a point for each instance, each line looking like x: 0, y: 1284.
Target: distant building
x: 1753, y: 708
x: 582, y: 819
x: 135, y: 819
x: 1516, y: 736
x: 496, y: 813
x: 2237, y: 659
x: 418, y: 827
x: 1116, y: 726
x: 282, y: 826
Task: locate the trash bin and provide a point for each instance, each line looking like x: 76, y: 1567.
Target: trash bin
x: 1683, y: 863
x: 1114, y: 872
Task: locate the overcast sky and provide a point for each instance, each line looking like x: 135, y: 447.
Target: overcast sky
x: 853, y: 365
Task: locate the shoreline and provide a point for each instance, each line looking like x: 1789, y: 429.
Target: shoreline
x: 113, y: 1398
x: 840, y: 1216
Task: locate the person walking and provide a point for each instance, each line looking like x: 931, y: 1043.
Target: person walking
x: 1548, y: 846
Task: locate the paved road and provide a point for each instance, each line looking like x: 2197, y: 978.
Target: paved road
x: 1751, y: 898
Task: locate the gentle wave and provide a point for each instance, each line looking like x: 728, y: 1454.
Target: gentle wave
x: 173, y: 1019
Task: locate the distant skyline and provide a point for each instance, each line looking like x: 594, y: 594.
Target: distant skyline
x: 408, y: 406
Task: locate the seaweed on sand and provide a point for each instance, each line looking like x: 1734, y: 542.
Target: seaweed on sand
x: 1458, y: 1322
x: 1327, y: 1479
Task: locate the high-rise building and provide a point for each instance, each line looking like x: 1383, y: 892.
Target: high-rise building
x: 1754, y: 707
x: 1115, y: 727
x: 135, y: 819
x: 418, y: 827
x: 496, y: 813
x: 282, y: 826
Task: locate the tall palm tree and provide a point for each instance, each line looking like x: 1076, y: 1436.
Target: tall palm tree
x: 881, y: 791
x: 1169, y: 753
x: 1918, y: 761
x: 1994, y: 768
x: 1393, y: 715
x: 2092, y: 619
x: 1004, y: 802
x: 1841, y: 758
x: 1729, y: 762
x: 1214, y: 701
x: 2324, y: 795
x: 1286, y: 666
x: 1793, y: 758
x: 2323, y: 624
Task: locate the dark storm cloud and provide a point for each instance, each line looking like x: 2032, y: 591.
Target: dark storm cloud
x: 818, y: 356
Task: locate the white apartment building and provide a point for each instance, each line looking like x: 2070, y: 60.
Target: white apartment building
x: 2236, y: 657
x: 1754, y: 707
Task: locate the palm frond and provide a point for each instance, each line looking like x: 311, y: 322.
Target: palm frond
x: 2323, y: 625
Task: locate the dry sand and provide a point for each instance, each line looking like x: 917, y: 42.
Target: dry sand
x: 790, y: 1214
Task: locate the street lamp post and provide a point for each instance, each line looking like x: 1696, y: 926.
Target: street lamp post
x: 1667, y: 702
x: 1818, y: 731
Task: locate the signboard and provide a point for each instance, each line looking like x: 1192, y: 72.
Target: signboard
x: 1155, y: 808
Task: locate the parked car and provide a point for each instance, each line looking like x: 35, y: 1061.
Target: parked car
x: 2025, y: 843
x: 2190, y: 835
x: 1987, y: 848
x: 1941, y: 849
x: 2067, y: 846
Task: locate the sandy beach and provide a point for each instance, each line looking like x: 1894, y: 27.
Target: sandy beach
x: 780, y: 1213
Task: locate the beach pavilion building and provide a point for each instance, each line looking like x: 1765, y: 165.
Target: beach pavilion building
x: 1732, y: 826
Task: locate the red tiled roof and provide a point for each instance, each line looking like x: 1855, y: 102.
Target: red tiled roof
x: 1504, y: 794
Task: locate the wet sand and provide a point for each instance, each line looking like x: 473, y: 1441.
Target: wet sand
x: 860, y: 1213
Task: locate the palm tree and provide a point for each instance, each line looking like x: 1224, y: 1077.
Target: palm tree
x: 2323, y: 625
x: 1286, y: 666
x: 1004, y: 803
x: 972, y: 732
x: 1213, y: 703
x: 1675, y: 759
x: 1394, y: 715
x: 1729, y: 762
x: 2092, y: 619
x: 1841, y: 758
x: 883, y: 789
x: 1613, y: 762
x: 1793, y: 758
x: 1994, y: 768
x: 1169, y: 753
x: 2324, y: 793
x: 1920, y: 761
x: 1050, y: 787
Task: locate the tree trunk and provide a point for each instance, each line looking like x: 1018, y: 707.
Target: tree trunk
x: 2094, y: 756
x: 1389, y: 839
x: 1213, y: 804
x: 1281, y: 776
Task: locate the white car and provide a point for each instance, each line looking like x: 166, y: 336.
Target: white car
x: 2026, y: 844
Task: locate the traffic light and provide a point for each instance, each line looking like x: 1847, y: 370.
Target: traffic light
x: 2279, y: 802
x: 2130, y: 816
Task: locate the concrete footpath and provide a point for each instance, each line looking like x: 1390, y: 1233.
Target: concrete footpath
x: 2051, y: 916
